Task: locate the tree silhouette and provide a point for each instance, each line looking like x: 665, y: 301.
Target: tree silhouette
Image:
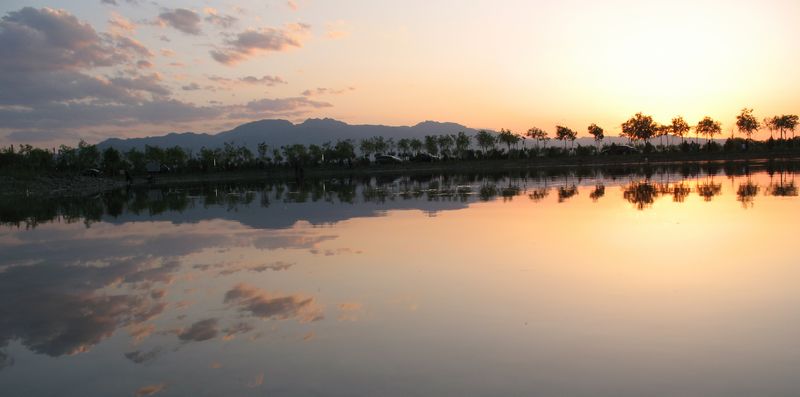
x: 485, y: 140
x: 787, y: 122
x: 432, y: 144
x: 445, y: 144
x: 772, y: 125
x: 415, y: 145
x: 509, y: 138
x: 708, y: 127
x: 538, y: 135
x: 679, y: 127
x: 639, y: 127
x: 596, y: 132
x: 564, y: 134
x: 462, y: 142
x: 747, y: 123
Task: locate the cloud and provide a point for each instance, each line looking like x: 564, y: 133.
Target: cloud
x: 215, y: 18
x: 150, y: 390
x: 191, y: 87
x: 133, y: 46
x: 114, y: 2
x: 226, y: 83
x: 270, y: 107
x: 200, y: 331
x: 59, y: 116
x: 349, y: 311
x: 265, y: 80
x: 238, y: 328
x: 252, y: 41
x: 337, y: 30
x: 262, y: 304
x: 235, y: 268
x: 327, y: 91
x: 5, y: 360
x: 291, y: 241
x: 120, y: 25
x: 47, y: 39
x: 187, y: 21
x: 150, y: 83
x: 141, y: 357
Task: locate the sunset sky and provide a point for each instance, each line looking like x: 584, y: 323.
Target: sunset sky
x: 94, y: 69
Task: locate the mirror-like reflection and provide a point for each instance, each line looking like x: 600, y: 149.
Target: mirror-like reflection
x: 555, y: 282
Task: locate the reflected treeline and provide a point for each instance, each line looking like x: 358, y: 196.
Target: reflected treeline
x: 641, y: 185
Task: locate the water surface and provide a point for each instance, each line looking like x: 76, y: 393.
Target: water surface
x: 626, y: 282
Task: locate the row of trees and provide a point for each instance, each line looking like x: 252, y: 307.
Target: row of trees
x: 639, y: 129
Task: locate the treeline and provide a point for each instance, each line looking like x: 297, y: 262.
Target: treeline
x: 639, y: 130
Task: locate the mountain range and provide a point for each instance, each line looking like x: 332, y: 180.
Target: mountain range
x: 276, y: 133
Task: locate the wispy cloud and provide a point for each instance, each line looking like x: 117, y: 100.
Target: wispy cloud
x: 182, y: 19
x: 254, y: 41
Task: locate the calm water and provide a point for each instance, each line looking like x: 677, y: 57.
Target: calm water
x: 680, y: 282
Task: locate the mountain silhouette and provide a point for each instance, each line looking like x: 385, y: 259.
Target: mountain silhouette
x: 276, y: 133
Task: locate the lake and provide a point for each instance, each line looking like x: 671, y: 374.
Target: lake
x: 630, y: 281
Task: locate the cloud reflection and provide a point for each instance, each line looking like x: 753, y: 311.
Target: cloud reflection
x: 259, y: 303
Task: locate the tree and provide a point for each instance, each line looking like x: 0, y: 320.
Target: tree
x: 485, y: 140
x: 112, y: 161
x: 415, y: 145
x: 462, y: 142
x: 565, y: 134
x: 772, y: 125
x: 538, y: 135
x: 432, y: 145
x: 88, y: 155
x: 445, y: 143
x: 596, y: 132
x: 747, y: 123
x: 262, y: 151
x: 404, y: 146
x: 175, y: 157
x: 662, y: 131
x: 367, y: 147
x: 345, y: 150
x: 679, y: 127
x: 509, y: 138
x: 708, y: 127
x: 787, y: 122
x: 639, y: 127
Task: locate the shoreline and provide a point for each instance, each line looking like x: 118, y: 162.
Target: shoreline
x: 76, y: 186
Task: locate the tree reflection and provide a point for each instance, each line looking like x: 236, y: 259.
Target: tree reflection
x: 708, y: 189
x: 746, y: 193
x: 640, y: 194
x: 566, y: 192
x: 598, y: 192
x: 539, y: 194
x: 783, y: 187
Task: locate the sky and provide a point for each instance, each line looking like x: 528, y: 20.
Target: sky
x: 94, y: 69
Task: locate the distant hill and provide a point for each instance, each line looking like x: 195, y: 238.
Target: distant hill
x: 276, y: 133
